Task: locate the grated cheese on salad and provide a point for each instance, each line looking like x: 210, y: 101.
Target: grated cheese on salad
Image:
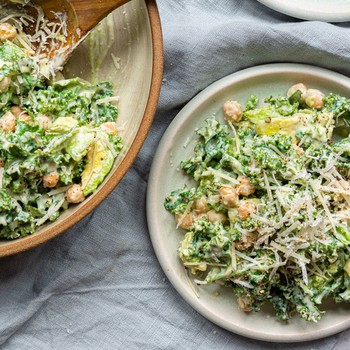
x: 272, y: 204
x: 58, y: 138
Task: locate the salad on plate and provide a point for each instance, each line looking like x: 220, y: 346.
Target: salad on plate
x: 269, y: 213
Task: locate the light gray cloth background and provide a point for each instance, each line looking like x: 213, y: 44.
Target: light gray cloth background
x: 99, y: 285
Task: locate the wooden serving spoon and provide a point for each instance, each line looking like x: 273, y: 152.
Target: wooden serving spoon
x: 83, y: 16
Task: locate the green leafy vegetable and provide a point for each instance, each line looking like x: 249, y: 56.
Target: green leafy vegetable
x: 269, y: 215
x: 62, y: 137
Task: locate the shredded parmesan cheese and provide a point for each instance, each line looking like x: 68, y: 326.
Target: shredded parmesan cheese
x: 182, y: 217
x: 52, y: 210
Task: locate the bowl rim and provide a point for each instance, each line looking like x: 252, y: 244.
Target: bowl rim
x: 31, y: 241
x: 314, y: 14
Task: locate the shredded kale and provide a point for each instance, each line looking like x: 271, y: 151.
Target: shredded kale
x: 73, y: 142
x: 268, y: 216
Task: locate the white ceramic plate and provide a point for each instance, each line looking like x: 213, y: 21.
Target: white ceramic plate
x: 176, y: 145
x: 317, y: 10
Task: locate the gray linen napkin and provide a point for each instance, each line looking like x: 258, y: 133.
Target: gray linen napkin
x: 99, y: 285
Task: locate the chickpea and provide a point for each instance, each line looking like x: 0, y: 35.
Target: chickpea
x: 44, y: 121
x: 245, y: 209
x: 214, y: 216
x: 8, y: 122
x: 243, y: 305
x: 24, y: 117
x: 7, y: 32
x: 109, y: 128
x: 5, y: 84
x: 247, y: 242
x: 301, y: 87
x: 200, y: 205
x: 16, y: 110
x: 187, y: 221
x: 232, y: 111
x: 75, y: 194
x: 51, y: 179
x: 201, y: 216
x: 314, y: 98
x: 245, y: 188
x: 229, y: 196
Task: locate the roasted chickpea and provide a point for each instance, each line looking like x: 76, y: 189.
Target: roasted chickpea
x: 245, y: 209
x: 75, y: 194
x: 8, y: 122
x: 201, y: 216
x: 214, y: 216
x: 16, y: 110
x: 5, y: 84
x: 44, y: 121
x: 24, y: 117
x: 7, y: 32
x: 232, y: 111
x: 200, y: 205
x: 109, y: 128
x: 247, y: 242
x: 314, y: 98
x: 229, y: 196
x: 243, y: 305
x: 187, y: 221
x: 245, y: 188
x: 301, y: 87
x: 51, y: 179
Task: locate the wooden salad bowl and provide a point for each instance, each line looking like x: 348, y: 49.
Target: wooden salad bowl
x: 133, y: 61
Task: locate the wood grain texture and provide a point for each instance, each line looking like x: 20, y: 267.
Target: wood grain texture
x: 81, y: 13
x: 90, y: 13
x: 83, y: 16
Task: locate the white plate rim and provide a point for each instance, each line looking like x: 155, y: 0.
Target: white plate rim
x: 156, y: 233
x: 342, y: 15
